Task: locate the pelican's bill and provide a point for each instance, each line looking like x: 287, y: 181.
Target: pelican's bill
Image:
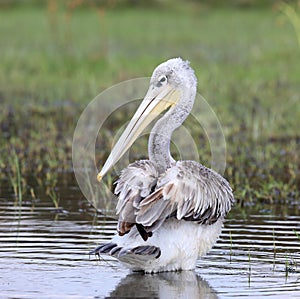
x: 155, y: 102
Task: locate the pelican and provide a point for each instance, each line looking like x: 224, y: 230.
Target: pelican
x: 170, y: 212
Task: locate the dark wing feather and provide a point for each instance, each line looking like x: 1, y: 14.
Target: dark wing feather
x: 187, y: 190
x: 135, y: 183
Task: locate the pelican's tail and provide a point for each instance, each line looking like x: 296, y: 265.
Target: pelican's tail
x: 135, y: 257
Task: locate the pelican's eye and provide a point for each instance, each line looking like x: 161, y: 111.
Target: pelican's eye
x: 162, y: 80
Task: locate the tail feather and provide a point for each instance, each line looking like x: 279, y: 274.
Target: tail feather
x: 133, y: 256
x: 115, y: 251
x: 103, y: 248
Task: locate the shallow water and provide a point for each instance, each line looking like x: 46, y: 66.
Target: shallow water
x: 44, y: 254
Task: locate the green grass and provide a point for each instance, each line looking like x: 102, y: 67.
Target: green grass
x: 15, y: 176
x: 53, y: 62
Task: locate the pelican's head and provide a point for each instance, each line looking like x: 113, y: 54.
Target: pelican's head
x: 175, y: 74
x: 172, y: 83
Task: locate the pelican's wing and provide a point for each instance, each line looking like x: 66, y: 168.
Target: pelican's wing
x: 188, y: 191
x: 136, y: 182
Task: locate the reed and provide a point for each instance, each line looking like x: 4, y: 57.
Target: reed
x: 249, y: 268
x: 274, y: 250
x: 231, y: 245
x: 293, y: 16
x: 55, y: 198
x: 15, y: 176
x: 290, y: 265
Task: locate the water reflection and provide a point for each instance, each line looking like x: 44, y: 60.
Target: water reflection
x: 44, y: 254
x: 177, y: 285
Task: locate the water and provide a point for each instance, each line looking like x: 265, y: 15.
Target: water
x: 44, y: 254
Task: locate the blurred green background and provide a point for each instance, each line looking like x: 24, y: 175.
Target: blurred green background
x: 56, y: 56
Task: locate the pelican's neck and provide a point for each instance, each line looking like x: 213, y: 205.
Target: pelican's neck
x: 160, y: 136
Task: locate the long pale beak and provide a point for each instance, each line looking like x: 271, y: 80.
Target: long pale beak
x: 155, y: 102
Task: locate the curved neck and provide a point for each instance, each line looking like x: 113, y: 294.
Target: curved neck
x: 160, y: 136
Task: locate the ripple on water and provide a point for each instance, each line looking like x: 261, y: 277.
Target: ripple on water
x: 45, y: 255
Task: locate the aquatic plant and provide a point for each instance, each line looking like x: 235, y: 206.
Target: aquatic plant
x: 290, y: 265
x: 54, y: 197
x: 15, y: 176
x: 37, y: 121
x: 274, y: 250
x: 249, y: 268
x: 294, y: 18
x: 231, y: 244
